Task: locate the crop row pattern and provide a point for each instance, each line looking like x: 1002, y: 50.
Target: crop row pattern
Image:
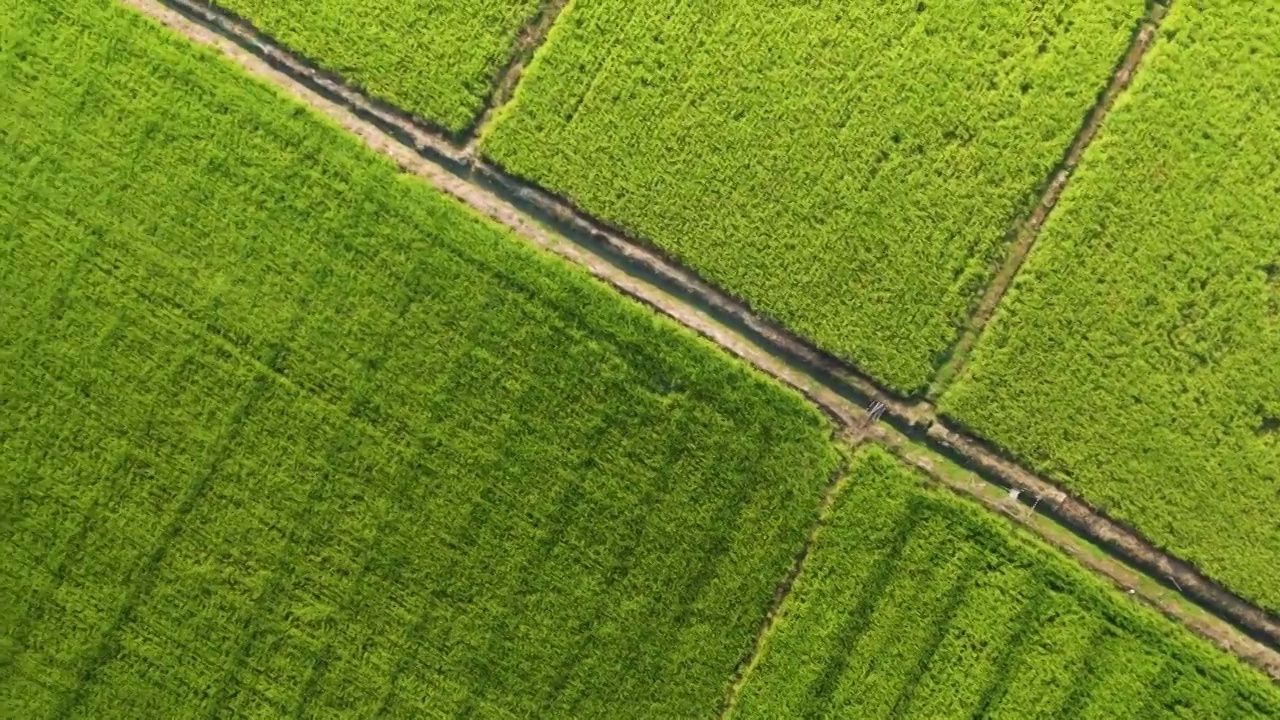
x: 283, y: 431
x: 915, y: 604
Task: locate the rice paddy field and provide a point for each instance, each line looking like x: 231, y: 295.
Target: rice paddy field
x: 916, y: 604
x: 285, y: 431
x: 1135, y: 359
x: 437, y: 59
x: 851, y: 169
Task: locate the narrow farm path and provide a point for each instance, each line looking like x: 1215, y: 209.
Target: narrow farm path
x: 911, y: 430
x: 1027, y: 231
x: 769, y: 621
x: 504, y: 85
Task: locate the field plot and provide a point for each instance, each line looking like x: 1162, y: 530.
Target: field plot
x: 850, y: 169
x: 915, y: 604
x: 285, y: 432
x: 1137, y: 357
x: 435, y: 58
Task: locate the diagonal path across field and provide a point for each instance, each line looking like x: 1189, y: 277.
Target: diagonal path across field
x: 842, y: 392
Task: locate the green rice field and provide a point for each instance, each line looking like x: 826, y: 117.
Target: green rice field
x: 284, y: 432
x: 1137, y: 357
x: 850, y: 169
x: 914, y: 604
x: 438, y: 59
x: 287, y: 432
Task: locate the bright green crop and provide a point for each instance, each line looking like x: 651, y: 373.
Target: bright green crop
x: 435, y: 58
x: 849, y: 168
x: 283, y: 431
x: 1137, y: 358
x: 914, y: 604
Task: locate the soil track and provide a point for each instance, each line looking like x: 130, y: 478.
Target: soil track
x: 422, y: 135
x: 652, y: 279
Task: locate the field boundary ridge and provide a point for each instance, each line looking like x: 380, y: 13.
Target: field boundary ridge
x: 843, y: 393
x: 1025, y: 231
x: 504, y: 83
x: 1052, y: 528
x: 417, y: 132
x: 784, y: 588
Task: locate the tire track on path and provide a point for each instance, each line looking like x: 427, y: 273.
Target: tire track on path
x: 648, y: 277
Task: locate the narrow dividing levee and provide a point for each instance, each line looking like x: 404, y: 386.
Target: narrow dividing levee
x: 504, y: 84
x: 1025, y: 233
x: 648, y: 277
x: 659, y: 269
x: 783, y: 591
x: 259, y: 53
x: 1121, y: 541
